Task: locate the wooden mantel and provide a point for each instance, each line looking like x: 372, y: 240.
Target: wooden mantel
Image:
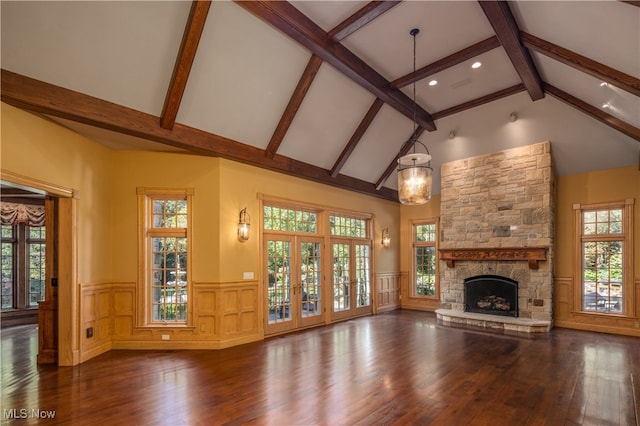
x: 533, y: 255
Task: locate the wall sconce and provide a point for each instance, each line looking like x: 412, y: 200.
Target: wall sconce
x: 386, y: 239
x: 243, y: 225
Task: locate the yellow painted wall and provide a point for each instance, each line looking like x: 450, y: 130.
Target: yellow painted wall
x: 42, y: 150
x: 589, y: 188
x: 165, y: 170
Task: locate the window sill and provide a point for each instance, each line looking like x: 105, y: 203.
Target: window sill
x: 165, y: 327
x: 605, y: 315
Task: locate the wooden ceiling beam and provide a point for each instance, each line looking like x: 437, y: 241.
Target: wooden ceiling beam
x: 408, y: 144
x: 595, y: 69
x: 357, y: 135
x: 347, y: 27
x: 479, y: 101
x: 37, y: 96
x: 447, y: 62
x: 504, y: 24
x: 286, y: 18
x: 361, y: 18
x: 597, y: 113
x: 291, y: 110
x: 182, y: 68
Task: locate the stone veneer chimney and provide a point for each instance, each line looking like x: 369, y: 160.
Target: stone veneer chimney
x: 501, y: 200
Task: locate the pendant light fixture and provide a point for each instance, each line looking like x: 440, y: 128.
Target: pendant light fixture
x: 414, y: 169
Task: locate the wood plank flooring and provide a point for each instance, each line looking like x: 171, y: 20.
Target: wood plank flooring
x: 396, y: 368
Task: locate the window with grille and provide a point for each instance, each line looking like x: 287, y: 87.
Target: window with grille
x: 290, y: 219
x: 345, y: 226
x: 424, y: 259
x: 605, y: 245
x: 9, y: 243
x: 36, y: 264
x: 166, y: 215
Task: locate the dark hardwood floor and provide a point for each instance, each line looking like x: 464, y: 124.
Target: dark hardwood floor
x: 396, y: 368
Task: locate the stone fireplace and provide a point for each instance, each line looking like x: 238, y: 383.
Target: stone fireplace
x: 496, y: 220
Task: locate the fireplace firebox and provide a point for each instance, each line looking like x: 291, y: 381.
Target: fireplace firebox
x: 491, y: 294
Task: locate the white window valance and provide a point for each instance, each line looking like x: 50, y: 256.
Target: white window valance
x: 15, y: 213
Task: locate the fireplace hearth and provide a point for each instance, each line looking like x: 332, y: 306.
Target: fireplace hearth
x: 491, y: 294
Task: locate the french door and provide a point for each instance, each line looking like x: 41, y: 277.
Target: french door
x: 294, y: 282
x: 351, y: 278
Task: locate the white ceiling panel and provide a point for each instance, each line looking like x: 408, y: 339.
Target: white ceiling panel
x: 119, y: 51
x: 379, y: 146
x: 445, y: 27
x: 619, y: 103
x: 242, y: 78
x: 461, y: 82
x: 328, y: 14
x: 327, y: 118
x: 605, y: 31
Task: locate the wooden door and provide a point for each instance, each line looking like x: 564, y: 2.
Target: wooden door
x: 48, y: 308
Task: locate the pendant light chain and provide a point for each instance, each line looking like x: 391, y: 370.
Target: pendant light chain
x: 414, y: 33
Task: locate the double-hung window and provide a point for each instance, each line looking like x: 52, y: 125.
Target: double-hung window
x: 424, y: 259
x: 166, y: 237
x: 605, y: 256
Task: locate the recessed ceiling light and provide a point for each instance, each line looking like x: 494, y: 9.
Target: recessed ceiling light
x: 603, y: 84
x: 606, y: 106
x: 476, y: 65
x: 433, y: 82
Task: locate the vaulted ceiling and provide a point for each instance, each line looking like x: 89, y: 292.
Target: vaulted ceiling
x: 323, y: 90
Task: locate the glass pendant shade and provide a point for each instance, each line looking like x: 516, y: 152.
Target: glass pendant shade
x: 414, y: 179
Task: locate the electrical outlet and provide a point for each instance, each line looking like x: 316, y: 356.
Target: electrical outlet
x: 165, y: 337
x: 89, y: 332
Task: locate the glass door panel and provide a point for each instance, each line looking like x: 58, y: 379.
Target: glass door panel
x: 341, y: 277
x: 310, y: 274
x: 279, y: 289
x: 309, y: 296
x: 363, y: 275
